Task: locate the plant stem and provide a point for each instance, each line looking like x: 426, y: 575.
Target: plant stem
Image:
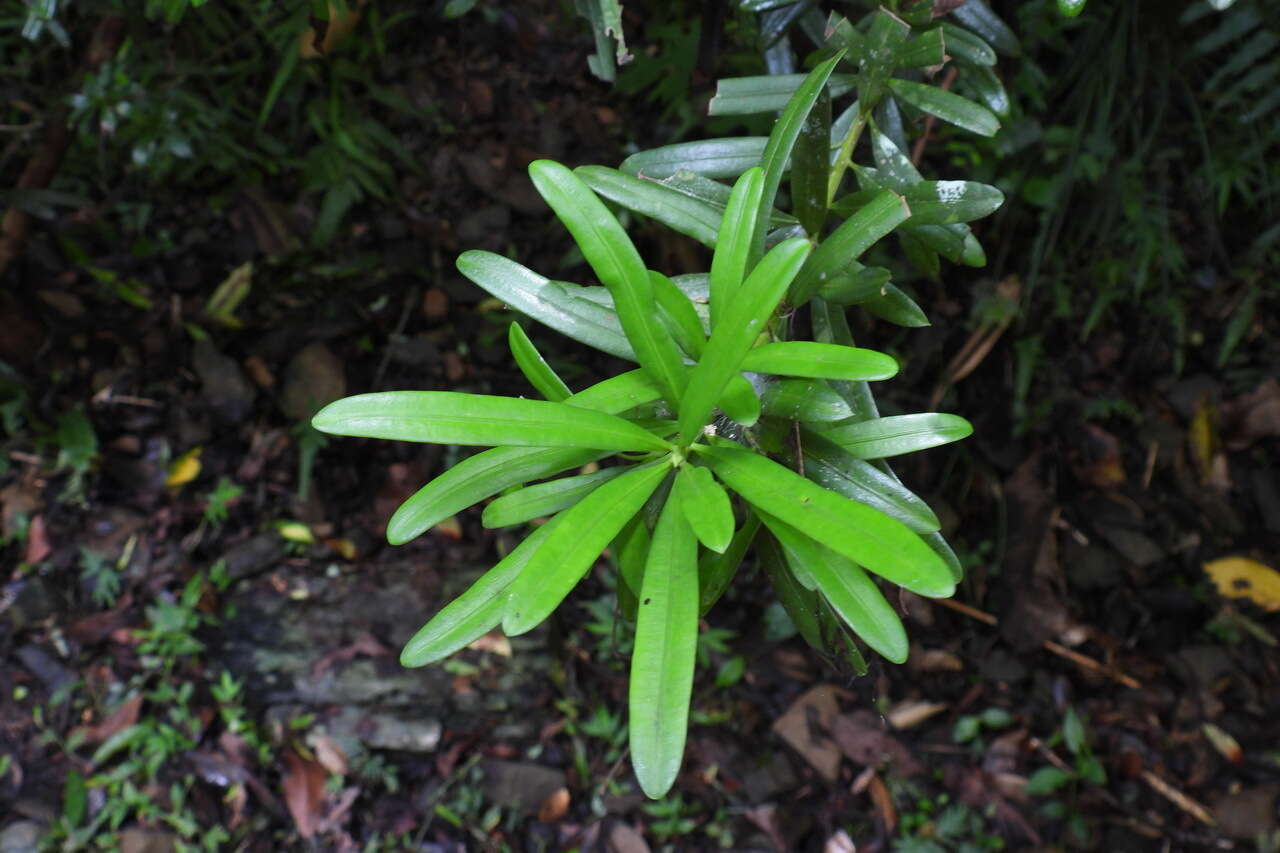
x: 845, y: 158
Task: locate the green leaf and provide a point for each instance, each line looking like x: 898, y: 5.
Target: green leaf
x: 964, y: 45
x: 766, y: 94
x: 922, y: 51
x: 715, y: 194
x: 881, y: 438
x: 617, y: 394
x: 811, y: 166
x: 802, y: 605
x: 616, y: 262
x: 885, y: 35
x: 676, y: 210
x: 855, y: 235
x: 706, y: 507
x: 831, y: 466
x: 558, y: 305
x: 919, y: 255
x: 1045, y: 781
x: 939, y: 545
x: 977, y: 16
x: 679, y: 315
x: 544, y: 498
x: 895, y: 306
x: 477, y: 611
x: 450, y: 417
x: 945, y: 202
x: 476, y: 478
x: 631, y: 550
x: 605, y: 17
x: 955, y: 242
x: 711, y: 158
x: 851, y: 593
x: 566, y: 555
x: 740, y: 403
x: 1070, y: 8
x: 896, y: 171
x: 1073, y: 732
x: 864, y: 535
x: 742, y: 322
x: 987, y: 86
x: 716, y: 571
x: 855, y: 283
x: 807, y: 400
x: 534, y: 366
x: 820, y: 361
x: 733, y: 245
x: 959, y: 111
x: 665, y: 651
x: 782, y: 140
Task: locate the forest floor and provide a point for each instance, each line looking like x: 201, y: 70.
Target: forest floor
x: 200, y: 620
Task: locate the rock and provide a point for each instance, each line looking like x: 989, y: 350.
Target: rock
x: 1091, y: 566
x: 519, y: 784
x: 254, y: 555
x: 1135, y: 547
x: 1201, y: 666
x: 26, y: 601
x: 138, y: 840
x: 46, y: 667
x: 1249, y: 814
x: 21, y: 837
x: 314, y: 378
x: 228, y: 392
x: 387, y: 731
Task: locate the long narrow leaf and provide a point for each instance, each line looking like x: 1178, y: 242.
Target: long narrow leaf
x: 706, y: 507
x: 677, y: 311
x: 886, y: 211
x: 864, y: 535
x: 730, y: 340
x: 716, y: 571
x: 450, y: 417
x: 544, y: 498
x: 566, y: 555
x: 893, y: 436
x: 535, y: 367
x: 807, y: 400
x: 665, y: 650
x: 733, y: 245
x: 820, y: 361
x: 959, y: 111
x: 477, y: 611
x: 677, y: 211
x: 765, y: 94
x: 831, y: 466
x: 711, y: 158
x: 616, y: 262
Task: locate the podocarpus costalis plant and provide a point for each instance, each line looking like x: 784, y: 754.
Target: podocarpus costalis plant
x: 730, y: 436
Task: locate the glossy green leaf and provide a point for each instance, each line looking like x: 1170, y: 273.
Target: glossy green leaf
x: 665, y: 651
x: 566, y: 555
x: 716, y: 571
x: 1070, y: 8
x: 565, y: 307
x: 535, y: 367
x: 765, y: 94
x: 782, y: 140
x: 977, y: 16
x: 711, y: 158
x: 733, y: 245
x: 477, y: 611
x: 476, y: 478
x: 881, y: 438
x: 886, y: 33
x: 919, y: 255
x: 450, y: 417
x: 830, y: 325
x: 965, y: 45
x: 811, y: 166
x: 854, y: 236
x: 615, y: 261
x: 679, y: 315
x: 807, y: 400
x: 954, y: 242
x: 794, y: 543
x: 631, y: 550
x: 840, y: 33
x: 820, y: 361
x: 925, y: 49
x: 847, y: 588
x: 740, y: 403
x: 855, y: 283
x: 896, y: 171
x: 706, y: 507
x: 801, y: 604
x: 951, y: 108
x: 864, y: 535
x: 742, y: 322
x: 938, y: 543
x: 715, y: 194
x: 891, y: 304
x: 984, y: 83
x: 832, y: 467
x: 945, y: 202
x: 544, y: 498
x: 618, y: 393
x: 676, y: 210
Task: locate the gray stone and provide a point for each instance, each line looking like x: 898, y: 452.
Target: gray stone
x: 224, y: 385
x: 1135, y: 547
x: 314, y: 378
x: 519, y: 784
x: 387, y: 731
x: 21, y: 837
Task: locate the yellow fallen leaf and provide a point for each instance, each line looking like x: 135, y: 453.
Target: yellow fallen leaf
x: 185, y: 468
x: 295, y: 531
x: 1240, y: 577
x: 1202, y: 436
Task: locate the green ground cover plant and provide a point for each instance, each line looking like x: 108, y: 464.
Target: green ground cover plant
x: 735, y: 434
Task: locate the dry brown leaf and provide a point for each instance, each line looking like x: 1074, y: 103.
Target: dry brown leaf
x: 38, y: 546
x: 1224, y: 743
x: 806, y: 727
x: 624, y: 839
x: 862, y: 737
x: 883, y: 801
x: 320, y: 40
x: 1240, y: 577
x: 330, y: 755
x: 912, y: 712
x: 765, y: 817
x: 303, y: 785
x: 554, y: 807
x: 1253, y: 416
x: 117, y: 721
x: 494, y: 641
x: 840, y: 843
